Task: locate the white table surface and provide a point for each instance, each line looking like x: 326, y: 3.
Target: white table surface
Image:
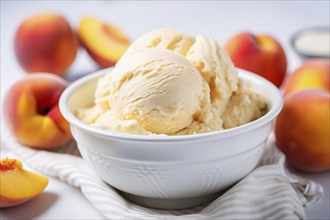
x: 219, y: 20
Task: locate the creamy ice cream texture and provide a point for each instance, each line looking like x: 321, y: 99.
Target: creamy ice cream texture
x: 170, y: 83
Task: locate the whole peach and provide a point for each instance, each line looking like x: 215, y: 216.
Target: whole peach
x: 31, y: 111
x: 45, y: 43
x: 260, y: 54
x: 302, y: 129
x: 314, y: 73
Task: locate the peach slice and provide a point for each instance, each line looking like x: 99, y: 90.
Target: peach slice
x: 18, y: 185
x: 105, y: 43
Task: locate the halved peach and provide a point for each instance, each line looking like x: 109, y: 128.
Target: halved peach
x: 105, y: 43
x: 30, y: 108
x: 17, y: 185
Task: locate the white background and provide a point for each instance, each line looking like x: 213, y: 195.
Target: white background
x: 218, y: 20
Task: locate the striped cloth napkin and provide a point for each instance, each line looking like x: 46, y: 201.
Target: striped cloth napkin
x: 269, y: 192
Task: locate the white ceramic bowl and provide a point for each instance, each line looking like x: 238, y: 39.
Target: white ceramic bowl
x: 170, y: 171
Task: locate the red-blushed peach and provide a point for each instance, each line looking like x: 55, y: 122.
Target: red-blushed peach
x: 314, y: 73
x: 31, y: 111
x: 17, y: 184
x: 45, y: 43
x: 260, y: 54
x: 302, y: 129
x: 105, y: 43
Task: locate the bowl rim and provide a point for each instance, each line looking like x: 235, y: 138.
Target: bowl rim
x: 268, y: 117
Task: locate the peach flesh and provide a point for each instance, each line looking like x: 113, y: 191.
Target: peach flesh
x: 17, y: 185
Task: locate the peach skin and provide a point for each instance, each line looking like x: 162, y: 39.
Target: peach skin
x: 105, y: 43
x: 302, y: 129
x: 31, y: 111
x: 17, y: 185
x: 314, y: 73
x: 45, y: 43
x: 260, y: 54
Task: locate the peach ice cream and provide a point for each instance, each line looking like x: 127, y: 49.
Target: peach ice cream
x: 174, y: 84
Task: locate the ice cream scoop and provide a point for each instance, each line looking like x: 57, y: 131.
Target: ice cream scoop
x: 166, y: 38
x: 159, y: 89
x: 218, y: 71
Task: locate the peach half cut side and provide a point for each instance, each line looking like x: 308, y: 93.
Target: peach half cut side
x: 105, y: 43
